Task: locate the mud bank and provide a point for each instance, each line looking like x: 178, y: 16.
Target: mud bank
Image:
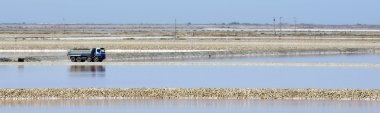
x: 202, y: 93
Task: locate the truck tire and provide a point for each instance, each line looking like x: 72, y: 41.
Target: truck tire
x: 96, y: 59
x: 89, y: 59
x: 78, y: 59
x: 72, y: 59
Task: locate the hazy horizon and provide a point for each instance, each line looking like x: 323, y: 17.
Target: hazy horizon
x: 338, y: 12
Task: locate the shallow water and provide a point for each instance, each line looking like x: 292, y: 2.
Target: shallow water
x: 187, y: 106
x: 188, y: 76
x: 309, y: 59
x: 172, y: 76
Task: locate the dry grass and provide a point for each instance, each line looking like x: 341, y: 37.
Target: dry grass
x: 78, y: 30
x: 233, y: 45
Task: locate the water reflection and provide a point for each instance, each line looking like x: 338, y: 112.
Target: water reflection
x: 159, y: 76
x: 88, y: 70
x: 20, y: 68
x: 187, y: 106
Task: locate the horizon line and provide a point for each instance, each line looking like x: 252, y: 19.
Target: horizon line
x: 187, y: 23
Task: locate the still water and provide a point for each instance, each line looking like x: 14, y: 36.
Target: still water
x: 187, y: 106
x: 174, y: 76
x: 354, y: 58
x: 188, y: 76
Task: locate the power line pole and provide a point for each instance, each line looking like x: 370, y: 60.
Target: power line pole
x: 274, y: 26
x: 175, y: 28
x: 64, y: 25
x: 295, y: 25
x: 280, y: 26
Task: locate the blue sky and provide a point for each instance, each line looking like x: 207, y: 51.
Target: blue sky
x: 195, y: 11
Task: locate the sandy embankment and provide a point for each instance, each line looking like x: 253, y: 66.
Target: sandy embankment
x: 253, y: 64
x: 140, y: 50
x: 190, y: 93
x: 227, y: 45
x: 173, y: 55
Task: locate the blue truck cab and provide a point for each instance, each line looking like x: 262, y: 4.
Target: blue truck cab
x: 100, y: 53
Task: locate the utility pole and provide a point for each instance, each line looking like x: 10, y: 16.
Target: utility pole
x: 64, y: 25
x: 175, y: 28
x: 274, y: 26
x: 295, y: 25
x: 280, y: 26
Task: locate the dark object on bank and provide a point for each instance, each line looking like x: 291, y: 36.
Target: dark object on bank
x: 31, y: 59
x: 20, y: 60
x: 5, y: 60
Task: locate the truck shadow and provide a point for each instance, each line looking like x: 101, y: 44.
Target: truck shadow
x: 88, y: 70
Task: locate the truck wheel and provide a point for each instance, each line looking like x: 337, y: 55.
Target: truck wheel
x: 72, y: 59
x: 78, y: 59
x: 89, y: 59
x: 96, y: 59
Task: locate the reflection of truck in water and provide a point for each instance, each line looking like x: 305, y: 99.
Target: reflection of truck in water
x: 88, y: 55
x: 85, y: 68
x: 88, y: 70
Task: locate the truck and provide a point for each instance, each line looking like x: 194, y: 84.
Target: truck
x: 88, y: 55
